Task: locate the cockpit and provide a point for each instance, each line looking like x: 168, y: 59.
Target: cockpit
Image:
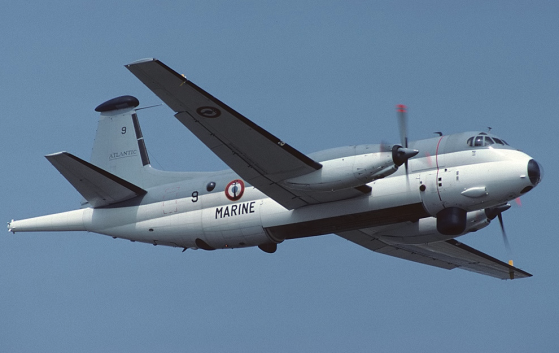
x: 483, y: 139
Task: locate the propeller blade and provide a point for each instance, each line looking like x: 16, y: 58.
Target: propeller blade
x: 505, y: 238
x: 402, y: 123
x: 407, y: 173
x: 497, y: 211
x: 385, y: 146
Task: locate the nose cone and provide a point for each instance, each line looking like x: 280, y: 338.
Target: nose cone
x: 535, y: 172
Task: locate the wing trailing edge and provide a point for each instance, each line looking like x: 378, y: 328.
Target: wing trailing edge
x: 97, y: 186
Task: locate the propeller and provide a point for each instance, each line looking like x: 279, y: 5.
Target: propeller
x: 385, y: 146
x: 505, y: 238
x: 497, y: 211
x: 401, y: 154
x: 402, y: 124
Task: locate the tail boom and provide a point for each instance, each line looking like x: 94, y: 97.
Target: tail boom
x: 66, y: 221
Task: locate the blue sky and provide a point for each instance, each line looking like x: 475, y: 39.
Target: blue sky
x: 317, y: 76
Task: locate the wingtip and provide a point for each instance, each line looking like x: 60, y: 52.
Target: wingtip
x: 49, y: 156
x: 141, y: 61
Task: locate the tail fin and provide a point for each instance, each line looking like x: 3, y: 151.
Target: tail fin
x: 119, y: 146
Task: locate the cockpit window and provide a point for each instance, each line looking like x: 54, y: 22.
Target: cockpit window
x: 500, y: 141
x: 483, y: 140
x: 478, y: 141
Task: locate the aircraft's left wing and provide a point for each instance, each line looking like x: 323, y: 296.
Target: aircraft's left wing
x: 447, y: 254
x: 260, y: 158
x: 257, y: 156
x: 253, y: 153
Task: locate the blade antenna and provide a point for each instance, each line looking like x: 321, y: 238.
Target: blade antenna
x: 151, y: 106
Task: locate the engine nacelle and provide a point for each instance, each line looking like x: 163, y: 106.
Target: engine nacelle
x: 352, y: 171
x: 425, y: 230
x: 344, y: 173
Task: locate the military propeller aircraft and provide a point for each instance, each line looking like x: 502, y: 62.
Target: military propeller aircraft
x: 408, y: 200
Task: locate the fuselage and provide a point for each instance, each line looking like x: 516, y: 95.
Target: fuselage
x: 219, y: 210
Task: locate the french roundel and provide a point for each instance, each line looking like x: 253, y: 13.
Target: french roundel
x: 235, y: 189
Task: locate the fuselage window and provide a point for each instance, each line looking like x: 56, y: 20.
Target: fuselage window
x: 498, y: 141
x: 469, y: 142
x: 488, y: 141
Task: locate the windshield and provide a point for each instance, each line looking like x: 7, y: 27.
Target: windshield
x: 482, y: 139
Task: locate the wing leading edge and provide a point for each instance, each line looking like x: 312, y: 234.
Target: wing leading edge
x: 445, y: 254
x: 257, y: 156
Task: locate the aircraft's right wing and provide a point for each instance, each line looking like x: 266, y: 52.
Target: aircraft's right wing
x: 447, y: 254
x: 257, y: 156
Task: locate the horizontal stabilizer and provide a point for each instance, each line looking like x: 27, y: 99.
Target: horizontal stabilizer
x: 97, y: 186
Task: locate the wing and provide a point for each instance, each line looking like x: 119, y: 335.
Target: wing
x: 97, y: 186
x: 257, y: 156
x: 445, y: 254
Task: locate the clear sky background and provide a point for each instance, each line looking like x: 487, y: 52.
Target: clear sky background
x: 317, y: 76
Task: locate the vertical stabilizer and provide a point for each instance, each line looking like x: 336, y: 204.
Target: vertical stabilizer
x: 119, y: 146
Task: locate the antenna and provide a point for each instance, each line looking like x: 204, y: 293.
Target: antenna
x: 151, y: 106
